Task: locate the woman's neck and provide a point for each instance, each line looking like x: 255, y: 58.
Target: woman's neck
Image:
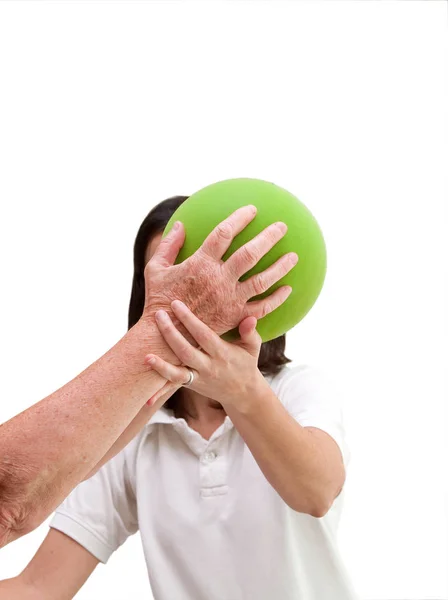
x: 201, y: 409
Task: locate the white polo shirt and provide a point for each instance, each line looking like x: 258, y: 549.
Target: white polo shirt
x: 212, y: 526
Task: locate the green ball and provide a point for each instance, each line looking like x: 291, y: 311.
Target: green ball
x: 209, y: 206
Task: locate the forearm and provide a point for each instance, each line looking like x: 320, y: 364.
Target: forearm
x: 48, y: 449
x: 287, y: 453
x: 138, y: 422
x: 15, y: 589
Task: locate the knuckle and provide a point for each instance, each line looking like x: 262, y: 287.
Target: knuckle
x: 269, y: 236
x: 163, y: 244
x: 225, y: 230
x: 206, y: 338
x: 259, y: 284
x: 184, y: 352
x: 248, y: 253
x: 213, y: 372
x: 265, y: 309
x: 180, y: 377
x: 272, y: 234
x: 223, y: 353
x: 279, y: 271
x: 148, y: 269
x: 286, y: 267
x: 288, y: 261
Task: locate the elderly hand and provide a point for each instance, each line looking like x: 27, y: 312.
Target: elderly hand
x: 210, y: 286
x: 223, y: 371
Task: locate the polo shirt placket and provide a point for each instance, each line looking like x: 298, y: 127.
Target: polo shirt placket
x: 212, y: 456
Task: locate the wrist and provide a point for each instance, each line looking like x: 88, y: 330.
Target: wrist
x: 149, y: 319
x: 152, y: 341
x: 248, y: 396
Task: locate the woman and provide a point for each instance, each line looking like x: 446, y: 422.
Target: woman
x: 234, y: 483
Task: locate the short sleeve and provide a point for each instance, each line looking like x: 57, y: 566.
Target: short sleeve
x: 100, y: 513
x: 314, y: 400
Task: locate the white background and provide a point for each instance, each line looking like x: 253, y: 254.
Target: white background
x: 108, y: 108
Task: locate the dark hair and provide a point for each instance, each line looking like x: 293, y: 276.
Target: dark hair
x: 272, y: 356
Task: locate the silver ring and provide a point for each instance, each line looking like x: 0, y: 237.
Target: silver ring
x: 191, y: 378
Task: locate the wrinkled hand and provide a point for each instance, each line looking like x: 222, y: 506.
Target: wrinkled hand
x: 223, y: 371
x: 209, y: 286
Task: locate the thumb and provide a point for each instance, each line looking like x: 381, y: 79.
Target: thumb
x: 248, y: 332
x: 169, y: 247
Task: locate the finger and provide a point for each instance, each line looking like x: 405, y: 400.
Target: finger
x: 250, y: 338
x: 218, y: 241
x: 246, y: 257
x: 261, y: 308
x: 185, y: 352
x: 261, y: 282
x: 168, y: 249
x: 207, y: 339
x: 173, y: 373
x: 247, y: 327
x: 163, y: 394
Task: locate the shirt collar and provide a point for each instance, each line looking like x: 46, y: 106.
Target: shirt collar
x: 163, y: 415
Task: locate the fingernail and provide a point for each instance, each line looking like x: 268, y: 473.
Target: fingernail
x: 294, y: 258
x: 176, y: 225
x: 162, y: 315
x: 151, y: 360
x: 282, y: 226
x: 254, y: 208
x: 177, y: 304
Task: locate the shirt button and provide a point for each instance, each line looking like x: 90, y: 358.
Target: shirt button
x: 209, y: 457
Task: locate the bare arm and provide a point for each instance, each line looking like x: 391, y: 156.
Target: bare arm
x: 137, y: 423
x: 303, y: 464
x: 57, y: 572
x: 48, y: 449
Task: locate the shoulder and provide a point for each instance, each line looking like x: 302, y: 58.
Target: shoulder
x: 298, y: 378
x: 307, y: 387
x: 312, y: 396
